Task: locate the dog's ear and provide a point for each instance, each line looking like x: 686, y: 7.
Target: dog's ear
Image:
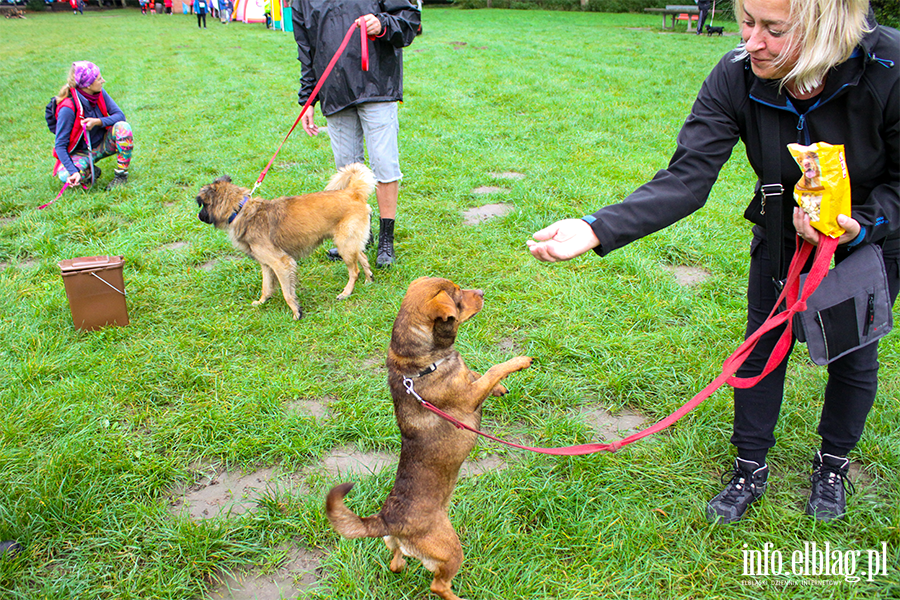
x: 442, y: 307
x: 223, y: 179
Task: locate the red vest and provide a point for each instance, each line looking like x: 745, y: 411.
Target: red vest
x: 74, y: 102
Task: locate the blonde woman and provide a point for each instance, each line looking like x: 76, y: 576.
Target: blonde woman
x: 816, y: 70
x: 85, y: 110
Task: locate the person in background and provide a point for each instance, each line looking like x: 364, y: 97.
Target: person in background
x: 225, y: 7
x: 822, y: 71
x: 200, y: 7
x: 359, y: 106
x: 703, y: 6
x: 83, y: 105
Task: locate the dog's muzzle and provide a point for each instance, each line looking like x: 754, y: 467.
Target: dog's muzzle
x: 204, y: 216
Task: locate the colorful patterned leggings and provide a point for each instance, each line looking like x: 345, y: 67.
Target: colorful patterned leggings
x: 119, y: 140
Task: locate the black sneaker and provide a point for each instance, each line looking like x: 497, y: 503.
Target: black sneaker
x: 747, y: 485
x: 9, y: 549
x: 828, y: 497
x: 119, y: 180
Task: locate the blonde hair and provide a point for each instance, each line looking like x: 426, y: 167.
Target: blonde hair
x: 823, y: 34
x: 66, y: 90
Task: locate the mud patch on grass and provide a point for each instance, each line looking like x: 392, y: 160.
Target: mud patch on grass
x: 509, y: 346
x: 508, y: 175
x: 218, y: 492
x: 609, y: 427
x: 299, y: 573
x: 347, y: 461
x: 688, y: 276
x: 28, y: 263
x: 309, y: 407
x: 489, y: 189
x: 480, y: 214
x: 212, y: 264
x: 174, y: 246
x: 487, y: 464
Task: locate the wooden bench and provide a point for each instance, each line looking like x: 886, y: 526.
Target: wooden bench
x: 689, y: 13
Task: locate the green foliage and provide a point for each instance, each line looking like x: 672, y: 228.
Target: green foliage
x: 887, y: 12
x: 98, y: 430
x: 36, y: 5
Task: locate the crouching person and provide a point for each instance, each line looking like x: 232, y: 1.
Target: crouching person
x: 89, y: 126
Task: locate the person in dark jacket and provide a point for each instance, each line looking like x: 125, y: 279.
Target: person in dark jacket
x: 83, y: 104
x: 359, y: 106
x: 703, y: 6
x: 834, y: 78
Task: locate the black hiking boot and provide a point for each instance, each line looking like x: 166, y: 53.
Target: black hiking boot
x: 119, y: 180
x: 828, y: 497
x: 747, y: 485
x: 385, y: 257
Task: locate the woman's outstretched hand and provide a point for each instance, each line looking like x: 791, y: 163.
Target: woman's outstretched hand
x: 563, y: 240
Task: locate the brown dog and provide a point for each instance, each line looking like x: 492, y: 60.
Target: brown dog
x: 422, y: 360
x: 276, y: 232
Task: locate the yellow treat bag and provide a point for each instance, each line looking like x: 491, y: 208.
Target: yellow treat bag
x: 823, y: 191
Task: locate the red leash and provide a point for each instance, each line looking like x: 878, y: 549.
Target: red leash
x: 796, y: 303
x: 365, y: 67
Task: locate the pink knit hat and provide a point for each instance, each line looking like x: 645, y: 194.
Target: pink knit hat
x: 86, y: 73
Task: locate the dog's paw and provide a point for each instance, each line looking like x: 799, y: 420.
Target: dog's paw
x: 522, y: 362
x: 342, y: 296
x: 257, y: 302
x: 499, y: 390
x: 298, y: 315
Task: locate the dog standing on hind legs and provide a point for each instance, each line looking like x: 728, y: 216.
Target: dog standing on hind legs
x: 277, y: 232
x: 422, y: 361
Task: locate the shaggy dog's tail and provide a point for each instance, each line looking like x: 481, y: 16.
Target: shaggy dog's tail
x: 356, y: 177
x: 347, y: 523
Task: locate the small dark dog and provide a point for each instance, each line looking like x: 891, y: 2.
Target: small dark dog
x: 422, y: 360
x: 711, y: 30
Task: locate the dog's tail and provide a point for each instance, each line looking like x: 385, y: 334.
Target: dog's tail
x: 356, y: 177
x: 346, y: 522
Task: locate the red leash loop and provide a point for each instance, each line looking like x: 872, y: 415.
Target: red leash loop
x: 795, y: 304
x: 312, y: 97
x: 364, y: 40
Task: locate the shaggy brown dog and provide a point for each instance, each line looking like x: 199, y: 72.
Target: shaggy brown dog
x: 276, y: 232
x: 422, y: 361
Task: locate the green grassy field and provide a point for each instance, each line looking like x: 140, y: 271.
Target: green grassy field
x: 98, y: 430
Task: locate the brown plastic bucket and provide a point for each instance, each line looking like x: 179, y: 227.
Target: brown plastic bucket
x: 95, y: 288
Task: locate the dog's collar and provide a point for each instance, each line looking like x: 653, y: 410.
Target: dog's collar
x: 237, y: 210
x: 430, y: 369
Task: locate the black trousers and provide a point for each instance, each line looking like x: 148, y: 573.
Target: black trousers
x: 703, y: 13
x: 852, y: 379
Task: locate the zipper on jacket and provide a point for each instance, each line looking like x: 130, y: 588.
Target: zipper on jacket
x: 884, y: 62
x: 870, y: 315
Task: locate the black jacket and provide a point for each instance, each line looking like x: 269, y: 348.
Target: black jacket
x: 319, y: 29
x: 859, y: 108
